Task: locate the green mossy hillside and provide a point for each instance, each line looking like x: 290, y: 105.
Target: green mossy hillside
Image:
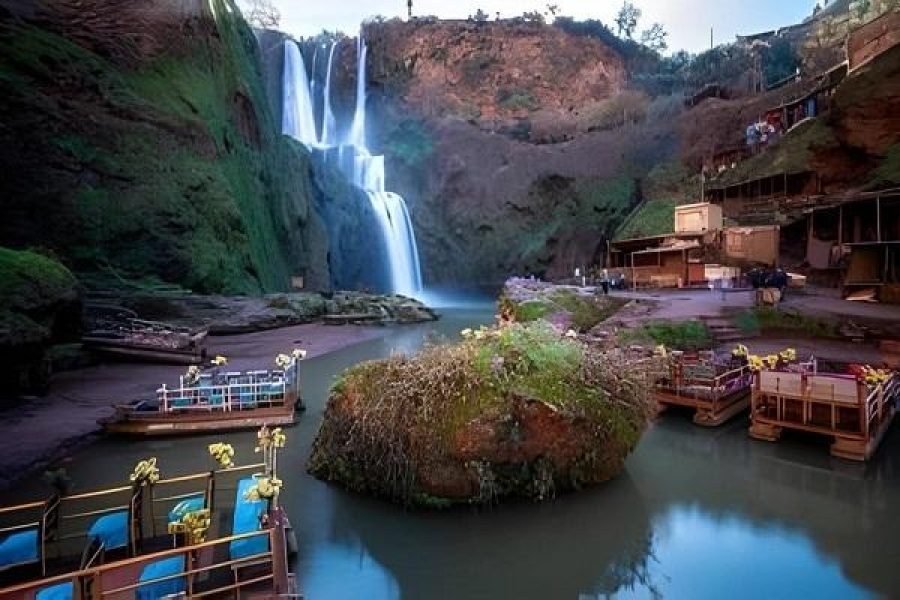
x: 166, y: 167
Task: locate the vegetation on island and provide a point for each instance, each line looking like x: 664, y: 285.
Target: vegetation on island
x: 516, y: 410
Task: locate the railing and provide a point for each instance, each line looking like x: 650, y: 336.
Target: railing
x: 718, y: 386
x: 100, y: 579
x: 862, y: 412
x: 262, y: 389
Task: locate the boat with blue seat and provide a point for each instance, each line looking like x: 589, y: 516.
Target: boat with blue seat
x: 214, y: 534
x: 215, y: 400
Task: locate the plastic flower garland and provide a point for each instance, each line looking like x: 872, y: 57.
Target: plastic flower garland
x: 740, y: 350
x: 219, y: 361
x: 270, y: 438
x: 145, y: 472
x: 193, y: 525
x: 875, y: 377
x: 223, y: 454
x: 265, y: 489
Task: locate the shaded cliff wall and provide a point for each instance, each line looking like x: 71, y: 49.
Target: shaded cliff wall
x: 456, y: 108
x: 138, y: 145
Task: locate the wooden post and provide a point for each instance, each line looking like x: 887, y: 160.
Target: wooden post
x: 878, y: 218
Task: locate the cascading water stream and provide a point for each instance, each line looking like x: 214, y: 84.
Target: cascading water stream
x: 297, y: 118
x: 355, y: 160
x: 329, y: 124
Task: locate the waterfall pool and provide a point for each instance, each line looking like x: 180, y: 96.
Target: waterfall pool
x: 698, y: 513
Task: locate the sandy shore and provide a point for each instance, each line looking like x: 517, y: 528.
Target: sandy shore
x: 43, y: 430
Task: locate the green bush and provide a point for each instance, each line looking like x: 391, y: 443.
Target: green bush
x: 772, y: 319
x: 678, y: 335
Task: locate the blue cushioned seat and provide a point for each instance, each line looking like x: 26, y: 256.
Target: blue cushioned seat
x: 247, y: 514
x: 19, y: 548
x: 112, y: 529
x: 161, y: 568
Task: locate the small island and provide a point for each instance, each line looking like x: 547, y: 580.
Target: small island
x: 517, y: 410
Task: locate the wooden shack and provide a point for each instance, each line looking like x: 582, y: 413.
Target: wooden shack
x: 751, y: 245
x: 697, y: 218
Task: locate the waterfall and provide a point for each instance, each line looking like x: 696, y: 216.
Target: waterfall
x: 363, y: 169
x: 329, y: 135
x: 358, y: 129
x: 297, y: 118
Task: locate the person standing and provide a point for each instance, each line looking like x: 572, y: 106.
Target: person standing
x: 604, y: 281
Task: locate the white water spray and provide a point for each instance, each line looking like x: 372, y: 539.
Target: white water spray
x: 329, y: 125
x: 297, y: 114
x: 364, y: 170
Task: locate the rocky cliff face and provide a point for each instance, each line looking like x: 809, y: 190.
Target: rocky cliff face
x: 138, y: 145
x: 508, y: 142
x: 491, y: 73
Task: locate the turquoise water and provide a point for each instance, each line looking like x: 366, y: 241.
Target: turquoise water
x: 699, y: 513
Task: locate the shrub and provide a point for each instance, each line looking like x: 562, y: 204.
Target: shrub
x: 628, y: 106
x: 679, y: 335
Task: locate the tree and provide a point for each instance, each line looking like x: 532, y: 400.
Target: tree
x: 627, y: 19
x: 480, y: 16
x: 552, y: 9
x: 655, y: 37
x: 261, y: 13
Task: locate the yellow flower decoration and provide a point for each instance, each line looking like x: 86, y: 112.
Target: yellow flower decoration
x: 194, y: 525
x: 145, y: 472
x: 755, y: 362
x: 265, y: 488
x: 788, y: 354
x: 282, y: 361
x: 740, y: 350
x: 270, y: 438
x: 298, y: 353
x: 223, y: 454
x: 219, y: 361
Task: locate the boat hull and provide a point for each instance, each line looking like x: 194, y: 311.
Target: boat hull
x: 171, y: 424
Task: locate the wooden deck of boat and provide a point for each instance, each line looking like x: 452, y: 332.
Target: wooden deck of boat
x: 856, y: 425
x: 708, y: 412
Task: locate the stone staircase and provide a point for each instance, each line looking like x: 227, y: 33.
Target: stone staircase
x: 724, y: 331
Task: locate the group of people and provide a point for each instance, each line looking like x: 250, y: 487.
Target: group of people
x: 761, y: 134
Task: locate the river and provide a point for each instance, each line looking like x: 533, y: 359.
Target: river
x: 698, y: 513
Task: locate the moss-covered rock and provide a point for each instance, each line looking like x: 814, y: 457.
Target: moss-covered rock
x: 39, y: 305
x: 564, y: 306
x: 515, y: 411
x: 138, y: 143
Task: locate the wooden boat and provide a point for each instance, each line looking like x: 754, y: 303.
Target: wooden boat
x: 717, y: 387
x: 854, y: 414
x: 214, y: 534
x: 138, y: 339
x: 214, y: 401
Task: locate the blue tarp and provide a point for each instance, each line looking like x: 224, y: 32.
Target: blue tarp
x: 246, y: 519
x: 112, y: 529
x: 162, y: 568
x: 60, y: 591
x: 186, y: 506
x: 19, y: 548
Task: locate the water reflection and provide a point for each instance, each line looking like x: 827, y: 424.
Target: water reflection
x: 699, y: 513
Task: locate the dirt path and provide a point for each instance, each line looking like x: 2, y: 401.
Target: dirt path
x: 39, y: 431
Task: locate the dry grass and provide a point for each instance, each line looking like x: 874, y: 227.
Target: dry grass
x: 393, y: 423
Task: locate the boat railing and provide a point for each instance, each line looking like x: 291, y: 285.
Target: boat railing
x: 240, y: 391
x: 189, y: 569
x: 686, y: 378
x: 831, y: 402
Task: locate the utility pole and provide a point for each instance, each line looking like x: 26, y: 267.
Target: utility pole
x: 710, y: 38
x: 409, y: 8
